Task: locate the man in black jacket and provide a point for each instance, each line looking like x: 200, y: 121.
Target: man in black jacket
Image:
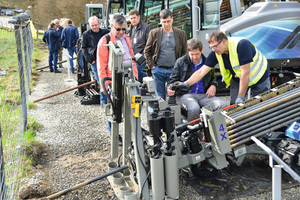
x: 138, y: 32
x: 90, y: 39
x: 200, y: 94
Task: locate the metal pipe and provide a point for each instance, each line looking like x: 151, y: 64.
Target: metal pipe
x: 86, y: 182
x: 264, y: 132
x: 266, y: 119
x: 73, y: 88
x: 274, y: 99
x: 60, y: 62
x: 294, y: 103
x: 258, y: 128
x: 266, y: 107
x: 276, y: 158
x: 266, y: 95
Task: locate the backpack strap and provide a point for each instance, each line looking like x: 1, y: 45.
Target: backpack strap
x: 107, y: 36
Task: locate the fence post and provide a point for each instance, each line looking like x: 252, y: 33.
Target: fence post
x: 21, y: 75
x: 26, y: 55
x: 2, y: 172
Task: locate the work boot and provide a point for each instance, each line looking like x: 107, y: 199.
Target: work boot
x: 57, y: 71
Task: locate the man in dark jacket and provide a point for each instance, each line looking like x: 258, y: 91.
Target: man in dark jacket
x: 51, y: 38
x: 69, y: 37
x: 138, y: 32
x: 200, y: 94
x: 163, y: 47
x: 90, y: 39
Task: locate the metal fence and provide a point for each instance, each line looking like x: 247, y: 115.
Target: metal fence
x: 16, y: 48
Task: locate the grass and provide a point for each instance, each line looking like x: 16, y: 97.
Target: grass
x: 16, y: 141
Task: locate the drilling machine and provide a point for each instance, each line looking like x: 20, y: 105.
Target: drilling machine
x: 154, y: 156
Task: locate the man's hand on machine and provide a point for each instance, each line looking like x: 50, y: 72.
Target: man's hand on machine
x: 179, y: 85
x: 239, y: 99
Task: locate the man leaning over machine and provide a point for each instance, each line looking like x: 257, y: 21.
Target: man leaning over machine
x: 242, y: 66
x: 200, y: 94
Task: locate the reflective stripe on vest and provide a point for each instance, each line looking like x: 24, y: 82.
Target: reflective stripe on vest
x: 257, y: 67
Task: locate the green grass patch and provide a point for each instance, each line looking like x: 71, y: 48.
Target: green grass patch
x: 17, y: 142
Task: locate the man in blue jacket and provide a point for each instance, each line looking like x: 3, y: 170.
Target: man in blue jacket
x: 51, y: 38
x: 69, y: 39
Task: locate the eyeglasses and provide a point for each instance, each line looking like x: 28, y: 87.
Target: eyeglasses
x: 214, y: 47
x: 119, y: 29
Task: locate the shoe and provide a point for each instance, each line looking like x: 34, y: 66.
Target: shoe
x: 56, y: 71
x: 73, y: 72
x: 51, y: 70
x: 60, y: 66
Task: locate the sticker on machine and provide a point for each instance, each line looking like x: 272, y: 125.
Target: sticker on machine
x: 240, y: 151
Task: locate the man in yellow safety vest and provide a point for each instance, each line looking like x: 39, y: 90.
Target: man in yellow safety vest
x: 242, y: 66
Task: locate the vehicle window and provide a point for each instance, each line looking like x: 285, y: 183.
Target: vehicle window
x: 150, y: 12
x: 209, y: 14
x: 182, y: 16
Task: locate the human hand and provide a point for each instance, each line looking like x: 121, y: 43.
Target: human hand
x: 211, y: 91
x: 179, y: 85
x: 170, y: 91
x: 239, y: 99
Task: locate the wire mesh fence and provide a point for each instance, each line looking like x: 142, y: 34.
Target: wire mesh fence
x: 16, y: 48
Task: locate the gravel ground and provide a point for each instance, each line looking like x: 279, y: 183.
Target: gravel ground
x: 79, y: 144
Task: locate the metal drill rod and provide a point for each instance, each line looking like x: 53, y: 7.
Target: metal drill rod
x: 261, y: 123
x: 265, y: 107
x: 266, y: 95
x: 276, y: 98
x: 289, y: 104
x: 272, y: 116
x: 80, y: 185
x: 293, y: 117
x: 264, y: 132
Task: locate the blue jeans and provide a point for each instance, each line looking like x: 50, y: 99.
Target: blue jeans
x: 255, y: 89
x: 95, y: 72
x: 161, y: 76
x: 80, y: 67
x: 53, y: 56
x: 141, y: 74
x: 71, y: 52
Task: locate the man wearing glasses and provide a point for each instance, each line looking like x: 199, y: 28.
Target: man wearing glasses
x: 200, y: 94
x: 117, y: 33
x: 242, y: 66
x: 163, y: 47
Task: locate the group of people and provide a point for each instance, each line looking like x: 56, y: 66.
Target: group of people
x: 57, y: 38
x: 172, y: 60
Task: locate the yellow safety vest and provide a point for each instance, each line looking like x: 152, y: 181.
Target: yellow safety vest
x: 257, y: 67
